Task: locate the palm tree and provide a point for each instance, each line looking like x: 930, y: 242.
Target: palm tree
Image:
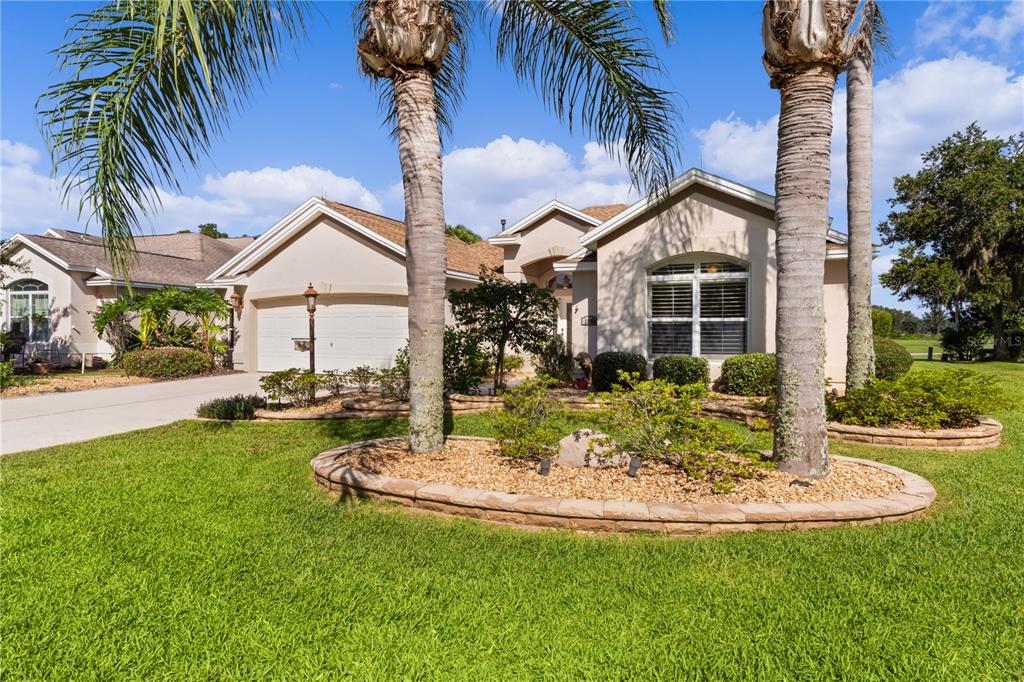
x: 152, y: 82
x: 870, y: 34
x: 804, y: 52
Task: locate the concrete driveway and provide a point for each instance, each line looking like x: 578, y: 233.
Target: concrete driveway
x: 39, y: 421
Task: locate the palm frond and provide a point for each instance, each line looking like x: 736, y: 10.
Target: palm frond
x: 668, y: 31
x: 449, y: 81
x: 870, y: 32
x: 150, y: 84
x: 590, y: 64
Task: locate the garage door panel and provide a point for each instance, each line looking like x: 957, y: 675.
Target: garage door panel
x: 348, y: 334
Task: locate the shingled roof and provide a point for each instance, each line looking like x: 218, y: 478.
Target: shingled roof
x: 462, y: 257
x: 604, y: 212
x: 172, y: 259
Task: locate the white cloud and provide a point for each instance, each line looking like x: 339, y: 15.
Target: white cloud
x: 17, y: 154
x: 914, y: 109
x: 509, y: 178
x: 239, y: 201
x: 742, y: 151
x: 290, y: 186
x: 952, y: 25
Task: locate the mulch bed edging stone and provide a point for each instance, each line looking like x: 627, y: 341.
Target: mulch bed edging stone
x: 532, y: 511
x: 987, y: 434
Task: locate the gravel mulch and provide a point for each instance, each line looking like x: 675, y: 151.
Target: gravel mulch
x: 477, y: 464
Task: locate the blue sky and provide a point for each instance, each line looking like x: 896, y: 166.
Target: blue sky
x: 316, y: 128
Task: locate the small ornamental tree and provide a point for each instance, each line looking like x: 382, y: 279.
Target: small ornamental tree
x: 517, y: 315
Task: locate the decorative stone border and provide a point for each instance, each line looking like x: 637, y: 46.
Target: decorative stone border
x: 533, y: 511
x: 987, y: 434
x: 369, y: 408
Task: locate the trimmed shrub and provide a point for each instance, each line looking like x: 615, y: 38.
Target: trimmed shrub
x: 297, y: 386
x: 881, y: 322
x: 364, y: 377
x: 234, y: 407
x: 394, y: 383
x: 608, y: 365
x: 682, y: 370
x: 963, y: 342
x: 891, y: 359
x: 166, y: 363
x: 930, y: 399
x: 748, y: 374
x: 335, y: 381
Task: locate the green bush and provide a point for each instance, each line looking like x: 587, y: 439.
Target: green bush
x: 881, y: 323
x: 8, y: 378
x: 608, y: 365
x: 514, y: 363
x: 1015, y: 344
x: 166, y: 363
x: 657, y: 420
x: 297, y: 386
x: 555, y: 360
x: 394, y: 383
x: 235, y: 407
x: 748, y: 374
x: 963, y: 342
x: 891, y: 359
x: 335, y: 381
x: 682, y: 370
x: 364, y: 377
x: 929, y: 399
x: 527, y: 427
x: 466, y: 362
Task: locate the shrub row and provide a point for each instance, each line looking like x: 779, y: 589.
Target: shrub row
x: 166, y: 363
x: 930, y: 399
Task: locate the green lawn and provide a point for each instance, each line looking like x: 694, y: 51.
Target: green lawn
x: 918, y: 345
x: 201, y: 550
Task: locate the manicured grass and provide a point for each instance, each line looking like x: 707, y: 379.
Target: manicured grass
x: 919, y: 345
x: 205, y: 550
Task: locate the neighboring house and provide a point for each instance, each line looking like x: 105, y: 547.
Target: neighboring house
x: 356, y: 261
x: 691, y: 274
x: 67, y: 276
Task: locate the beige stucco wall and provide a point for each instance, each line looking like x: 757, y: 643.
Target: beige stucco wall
x: 695, y: 222
x: 584, y: 303
x: 557, y: 234
x: 71, y: 306
x: 707, y: 222
x: 338, y: 262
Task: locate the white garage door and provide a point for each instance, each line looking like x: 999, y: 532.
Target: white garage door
x: 349, y: 332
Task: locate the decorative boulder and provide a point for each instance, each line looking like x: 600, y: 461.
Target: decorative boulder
x: 574, y: 451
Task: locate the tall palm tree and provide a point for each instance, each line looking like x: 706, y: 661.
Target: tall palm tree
x: 870, y: 34
x: 152, y: 82
x: 804, y: 52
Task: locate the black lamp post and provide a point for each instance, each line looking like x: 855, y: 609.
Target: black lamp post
x: 310, y: 293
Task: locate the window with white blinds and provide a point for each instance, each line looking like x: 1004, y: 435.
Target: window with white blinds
x: 698, y: 307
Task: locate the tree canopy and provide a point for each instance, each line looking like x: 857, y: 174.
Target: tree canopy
x: 960, y: 223
x: 517, y: 315
x: 462, y: 232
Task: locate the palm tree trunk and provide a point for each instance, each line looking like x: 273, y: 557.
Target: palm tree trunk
x: 801, y: 218
x: 860, y: 354
x: 419, y: 150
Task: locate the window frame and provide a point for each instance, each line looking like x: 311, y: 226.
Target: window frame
x: 41, y: 290
x: 695, y: 278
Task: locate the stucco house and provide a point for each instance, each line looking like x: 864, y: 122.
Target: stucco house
x: 356, y: 261
x: 692, y: 274
x: 66, y: 276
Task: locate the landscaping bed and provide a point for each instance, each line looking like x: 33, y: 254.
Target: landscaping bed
x: 857, y: 492
x: 63, y: 383
x: 477, y: 463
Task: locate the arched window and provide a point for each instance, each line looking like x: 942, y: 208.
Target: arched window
x: 30, y: 309
x: 698, y: 306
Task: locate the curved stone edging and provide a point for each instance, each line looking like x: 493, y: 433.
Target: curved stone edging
x: 987, y: 434
x: 534, y: 511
